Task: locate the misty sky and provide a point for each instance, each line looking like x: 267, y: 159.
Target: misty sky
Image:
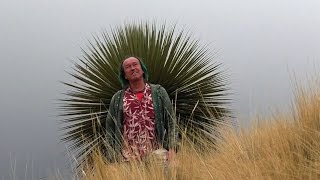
x: 260, y: 44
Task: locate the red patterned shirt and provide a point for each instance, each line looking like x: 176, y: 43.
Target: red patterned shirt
x: 139, y: 124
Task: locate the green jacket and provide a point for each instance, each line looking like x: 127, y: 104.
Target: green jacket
x: 165, y: 122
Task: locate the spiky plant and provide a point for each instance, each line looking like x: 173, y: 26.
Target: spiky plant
x: 185, y: 69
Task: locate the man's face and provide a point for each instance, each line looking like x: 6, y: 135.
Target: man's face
x: 132, y: 69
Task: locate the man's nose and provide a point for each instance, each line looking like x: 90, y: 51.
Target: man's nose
x: 131, y: 67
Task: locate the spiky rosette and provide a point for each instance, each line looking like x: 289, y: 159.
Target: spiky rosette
x: 185, y: 69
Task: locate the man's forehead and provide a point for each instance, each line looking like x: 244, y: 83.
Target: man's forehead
x: 130, y: 60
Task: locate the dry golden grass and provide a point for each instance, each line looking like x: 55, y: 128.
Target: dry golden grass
x: 285, y: 147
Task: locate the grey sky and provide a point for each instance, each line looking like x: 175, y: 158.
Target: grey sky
x: 259, y: 42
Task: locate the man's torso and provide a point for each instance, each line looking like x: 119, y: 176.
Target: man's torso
x: 138, y: 124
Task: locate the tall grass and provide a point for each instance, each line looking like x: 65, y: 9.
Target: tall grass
x: 284, y: 147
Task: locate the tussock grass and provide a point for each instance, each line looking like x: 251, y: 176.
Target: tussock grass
x: 284, y: 147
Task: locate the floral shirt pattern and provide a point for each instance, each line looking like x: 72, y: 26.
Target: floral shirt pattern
x: 138, y: 125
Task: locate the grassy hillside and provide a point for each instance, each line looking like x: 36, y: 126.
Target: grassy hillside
x: 284, y: 147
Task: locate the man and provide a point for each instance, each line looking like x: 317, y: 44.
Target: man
x: 140, y: 118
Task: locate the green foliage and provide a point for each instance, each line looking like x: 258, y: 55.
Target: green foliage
x: 184, y: 68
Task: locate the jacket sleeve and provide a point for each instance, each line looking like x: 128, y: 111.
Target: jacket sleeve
x: 169, y: 120
x: 110, y: 130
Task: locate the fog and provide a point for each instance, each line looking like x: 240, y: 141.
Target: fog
x: 262, y: 45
